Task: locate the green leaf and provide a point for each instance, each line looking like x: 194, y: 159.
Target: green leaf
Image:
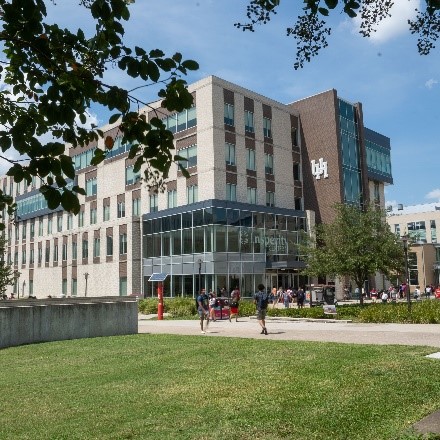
x: 323, y: 11
x: 190, y: 65
x: 79, y: 190
x: 70, y: 202
x: 331, y: 4
x: 114, y: 118
x: 67, y: 166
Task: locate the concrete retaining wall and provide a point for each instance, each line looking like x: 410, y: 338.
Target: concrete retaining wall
x: 30, y: 321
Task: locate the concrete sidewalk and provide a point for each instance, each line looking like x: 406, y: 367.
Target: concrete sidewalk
x: 303, y: 330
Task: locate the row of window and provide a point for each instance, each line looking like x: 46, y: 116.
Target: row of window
x: 74, y: 249
x: 181, y: 121
x: 417, y: 230
x: 249, y: 127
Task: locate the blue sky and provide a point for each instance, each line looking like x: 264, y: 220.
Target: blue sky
x: 399, y: 89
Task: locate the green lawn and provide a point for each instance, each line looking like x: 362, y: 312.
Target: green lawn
x: 196, y: 387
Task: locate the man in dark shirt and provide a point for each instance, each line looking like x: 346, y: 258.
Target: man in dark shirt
x: 203, y: 309
x: 261, y: 300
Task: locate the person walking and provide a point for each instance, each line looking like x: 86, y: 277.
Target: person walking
x: 203, y: 309
x: 286, y: 298
x: 212, y: 304
x: 300, y: 297
x: 261, y: 300
x: 234, y: 304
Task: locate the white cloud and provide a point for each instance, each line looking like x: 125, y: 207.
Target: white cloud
x: 434, y: 194
x: 397, y: 24
x: 430, y: 83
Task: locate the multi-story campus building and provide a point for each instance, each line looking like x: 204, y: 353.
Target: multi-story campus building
x: 260, y: 172
x: 419, y: 223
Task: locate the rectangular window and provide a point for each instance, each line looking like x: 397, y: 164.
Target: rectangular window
x: 64, y: 253
x: 192, y: 194
x: 122, y: 244
x: 49, y: 226
x: 32, y: 229
x: 190, y: 154
x: 109, y: 245
x: 106, y: 213
x: 153, y: 203
x: 250, y: 160
x: 81, y: 219
x: 249, y: 121
x: 136, y: 208
x: 23, y: 232
x: 172, y: 199
x: 59, y: 223
x: 230, y: 154
x: 40, y: 227
x: 267, y: 127
x: 40, y: 255
x: 74, y: 250
x: 74, y: 287
x: 64, y: 287
x: 229, y: 114
x: 252, y: 195
x: 15, y: 258
x: 47, y: 254
x: 294, y: 137
x: 31, y: 287
x: 91, y: 187
x: 17, y: 233
x: 397, y: 230
x: 31, y: 257
x: 268, y: 160
x: 296, y: 172
x: 376, y: 192
x: 121, y: 209
x: 96, y: 247
x: 123, y: 286
x: 23, y: 256
x: 69, y: 222
x: 130, y: 176
x: 93, y: 216
x: 85, y: 248
x: 231, y: 192
x: 55, y: 253
x: 270, y: 199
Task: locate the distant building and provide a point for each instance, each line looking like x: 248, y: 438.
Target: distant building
x: 419, y: 222
x: 260, y: 171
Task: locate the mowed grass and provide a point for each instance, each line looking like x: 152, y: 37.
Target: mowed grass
x: 188, y: 387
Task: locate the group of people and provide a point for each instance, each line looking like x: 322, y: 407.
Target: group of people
x: 287, y: 296
x: 207, y: 303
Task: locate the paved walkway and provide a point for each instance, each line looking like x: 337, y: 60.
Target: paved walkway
x: 303, y: 330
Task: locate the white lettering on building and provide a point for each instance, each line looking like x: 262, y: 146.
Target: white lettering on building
x: 319, y: 169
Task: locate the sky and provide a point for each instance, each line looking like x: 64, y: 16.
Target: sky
x: 398, y: 88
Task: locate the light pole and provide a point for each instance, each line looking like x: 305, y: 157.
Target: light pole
x: 405, y: 250
x: 200, y: 275
x: 422, y: 243
x: 86, y: 276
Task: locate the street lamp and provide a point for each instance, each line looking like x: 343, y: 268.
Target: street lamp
x: 86, y: 276
x: 405, y: 239
x: 200, y: 274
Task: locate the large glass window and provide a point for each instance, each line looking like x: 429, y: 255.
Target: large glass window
x: 96, y: 247
x: 250, y: 160
x: 190, y: 154
x: 192, y: 194
x: 249, y: 121
x: 85, y: 248
x: 136, y: 207
x: 82, y: 160
x: 172, y: 198
x: 252, y: 195
x: 229, y: 114
x: 230, y: 154
x: 181, y: 121
x: 267, y: 127
x: 417, y: 230
x: 231, y: 192
x: 153, y: 203
x: 130, y: 176
x: 109, y: 249
x: 270, y: 199
x: 122, y: 244
x: 106, y: 212
x: 93, y: 215
x: 91, y: 187
x: 121, y: 209
x: 268, y: 158
x: 122, y: 286
x: 74, y: 250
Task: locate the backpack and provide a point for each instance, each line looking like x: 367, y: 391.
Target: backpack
x: 300, y: 295
x: 262, y: 300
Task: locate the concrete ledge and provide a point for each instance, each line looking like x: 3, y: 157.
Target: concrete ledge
x: 56, y: 319
x: 289, y: 319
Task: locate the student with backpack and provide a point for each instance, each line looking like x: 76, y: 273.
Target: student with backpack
x: 261, y: 300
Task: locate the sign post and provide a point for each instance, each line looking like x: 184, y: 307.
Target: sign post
x: 160, y: 278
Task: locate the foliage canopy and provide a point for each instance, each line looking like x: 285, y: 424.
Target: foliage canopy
x: 54, y: 76
x: 357, y: 244
x: 310, y: 28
